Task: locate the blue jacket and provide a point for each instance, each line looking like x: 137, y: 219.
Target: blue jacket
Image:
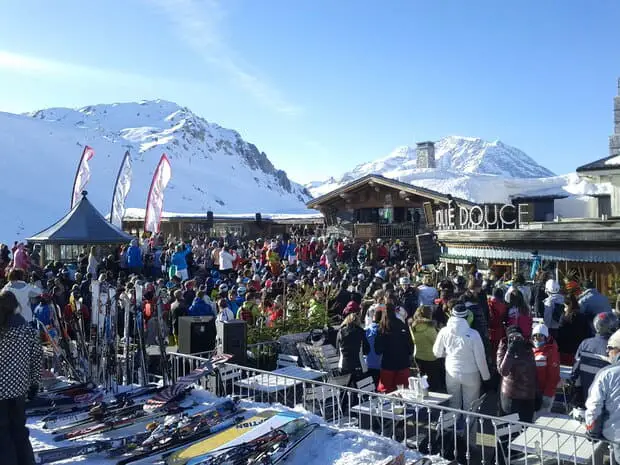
x: 200, y: 308
x: 43, y: 313
x: 282, y: 249
x: 591, y: 357
x: 134, y: 257
x: 290, y: 250
x: 592, y: 302
x: 178, y: 259
x: 373, y: 360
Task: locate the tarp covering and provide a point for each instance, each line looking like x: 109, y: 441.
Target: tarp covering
x: 592, y: 256
x: 82, y: 225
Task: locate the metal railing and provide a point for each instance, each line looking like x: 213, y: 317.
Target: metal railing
x: 467, y: 436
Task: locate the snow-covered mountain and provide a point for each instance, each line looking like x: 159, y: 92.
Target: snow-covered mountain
x: 453, y: 153
x: 473, y: 169
x: 213, y: 168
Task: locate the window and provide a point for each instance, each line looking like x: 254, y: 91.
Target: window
x: 604, y: 205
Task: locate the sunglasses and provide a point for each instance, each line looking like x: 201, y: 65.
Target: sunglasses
x: 609, y: 348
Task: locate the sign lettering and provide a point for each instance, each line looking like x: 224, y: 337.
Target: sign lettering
x: 486, y: 216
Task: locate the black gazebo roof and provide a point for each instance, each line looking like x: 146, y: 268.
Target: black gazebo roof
x: 82, y: 225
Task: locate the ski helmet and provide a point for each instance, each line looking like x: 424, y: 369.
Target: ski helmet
x: 241, y: 291
x: 223, y: 287
x: 605, y: 323
x: 552, y: 287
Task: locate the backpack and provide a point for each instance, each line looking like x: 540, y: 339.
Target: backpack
x: 558, y: 311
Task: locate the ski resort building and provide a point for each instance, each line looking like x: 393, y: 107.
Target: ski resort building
x: 186, y: 225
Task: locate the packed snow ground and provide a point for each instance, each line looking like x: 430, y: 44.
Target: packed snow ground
x: 213, y: 168
x: 328, y: 444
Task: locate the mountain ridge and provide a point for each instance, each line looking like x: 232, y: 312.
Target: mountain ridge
x: 213, y: 168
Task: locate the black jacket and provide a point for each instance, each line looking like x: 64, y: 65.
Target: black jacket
x: 572, y: 332
x: 395, y: 345
x: 350, y: 340
x: 409, y: 301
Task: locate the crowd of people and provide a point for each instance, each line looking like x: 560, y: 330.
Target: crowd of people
x: 466, y: 333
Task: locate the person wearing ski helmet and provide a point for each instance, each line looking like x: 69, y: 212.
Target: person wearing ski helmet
x: 21, y: 352
x: 554, y: 307
x: 602, y: 412
x: 547, y: 358
x: 591, y: 356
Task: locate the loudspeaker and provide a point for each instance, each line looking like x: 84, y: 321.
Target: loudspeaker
x: 233, y: 336
x: 259, y: 219
x: 196, y: 334
x: 209, y: 219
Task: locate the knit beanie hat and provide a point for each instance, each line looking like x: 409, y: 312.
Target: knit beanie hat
x: 513, y: 329
x: 614, y: 340
x: 459, y: 311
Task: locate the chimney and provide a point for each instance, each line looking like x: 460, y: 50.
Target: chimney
x: 425, y: 152
x: 614, y: 140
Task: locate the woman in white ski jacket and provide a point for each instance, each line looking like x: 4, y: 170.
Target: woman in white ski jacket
x: 466, y: 361
x: 22, y: 291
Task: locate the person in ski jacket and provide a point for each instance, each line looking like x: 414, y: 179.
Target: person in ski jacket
x: 466, y: 360
x: 224, y: 312
x: 93, y: 263
x: 179, y: 261
x: 22, y: 291
x: 554, y: 307
x: 177, y: 310
x: 426, y: 292
x: 602, y: 412
x: 424, y: 334
x: 592, y: 302
x: 362, y: 255
x: 517, y: 367
x: 352, y: 344
x: 574, y: 328
x: 518, y: 283
x: 200, y: 307
x: 394, y: 344
x: 21, y: 259
x: 373, y: 360
x: 250, y: 310
x: 408, y: 296
x: 538, y: 294
x: 519, y: 314
x: 134, y: 258
x: 498, y: 311
x: 21, y: 354
x: 547, y: 357
x: 591, y: 356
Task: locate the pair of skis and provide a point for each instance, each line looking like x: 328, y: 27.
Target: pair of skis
x: 156, y: 438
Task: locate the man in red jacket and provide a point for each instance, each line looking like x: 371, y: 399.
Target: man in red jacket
x: 547, y: 358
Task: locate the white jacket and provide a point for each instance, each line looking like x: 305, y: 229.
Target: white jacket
x: 23, y: 293
x: 463, y: 349
x: 93, y: 263
x: 602, y: 412
x: 550, y: 303
x: 226, y: 261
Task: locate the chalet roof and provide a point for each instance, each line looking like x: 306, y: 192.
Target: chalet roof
x: 387, y: 182
x: 611, y: 162
x: 82, y: 225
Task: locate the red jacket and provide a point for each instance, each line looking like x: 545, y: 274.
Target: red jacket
x: 497, y: 316
x: 340, y: 249
x: 382, y: 252
x: 547, y: 367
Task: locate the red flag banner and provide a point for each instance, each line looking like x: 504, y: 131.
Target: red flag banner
x: 155, y: 200
x: 82, y: 175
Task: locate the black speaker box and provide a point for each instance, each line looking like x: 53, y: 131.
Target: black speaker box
x: 234, y: 339
x: 196, y: 334
x: 259, y: 219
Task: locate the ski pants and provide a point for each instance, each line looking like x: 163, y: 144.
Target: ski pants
x: 464, y: 388
x: 14, y: 436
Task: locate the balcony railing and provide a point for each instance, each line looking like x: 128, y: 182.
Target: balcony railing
x: 385, y: 231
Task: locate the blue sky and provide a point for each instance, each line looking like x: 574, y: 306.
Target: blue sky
x: 322, y: 85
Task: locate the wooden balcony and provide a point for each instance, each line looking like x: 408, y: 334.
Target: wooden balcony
x: 365, y: 231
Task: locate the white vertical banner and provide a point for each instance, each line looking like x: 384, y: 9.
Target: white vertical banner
x: 155, y: 200
x: 121, y: 189
x: 82, y: 175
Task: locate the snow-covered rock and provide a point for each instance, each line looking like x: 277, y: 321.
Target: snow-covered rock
x: 213, y: 168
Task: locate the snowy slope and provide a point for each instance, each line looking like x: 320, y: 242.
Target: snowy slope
x: 213, y: 168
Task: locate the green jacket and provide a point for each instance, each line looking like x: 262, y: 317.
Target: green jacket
x: 424, y: 335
